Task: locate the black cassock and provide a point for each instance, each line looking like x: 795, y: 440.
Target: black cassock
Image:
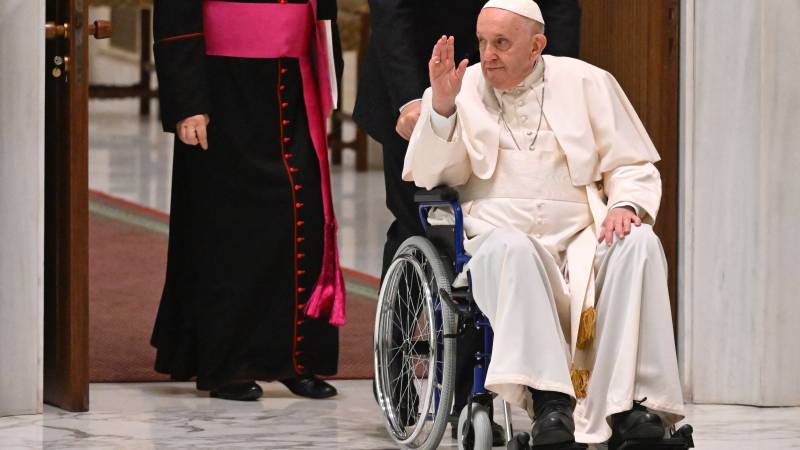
x: 246, y: 222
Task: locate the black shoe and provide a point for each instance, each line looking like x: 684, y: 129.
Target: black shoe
x: 498, y: 435
x: 246, y: 391
x: 408, y: 407
x: 408, y: 416
x: 552, y: 421
x: 638, y: 423
x: 309, y: 386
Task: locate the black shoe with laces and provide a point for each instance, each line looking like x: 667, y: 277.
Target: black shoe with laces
x: 636, y: 424
x: 552, y: 420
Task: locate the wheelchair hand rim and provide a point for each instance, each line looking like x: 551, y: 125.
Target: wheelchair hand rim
x: 394, y: 426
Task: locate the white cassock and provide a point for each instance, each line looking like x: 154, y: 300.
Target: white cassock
x: 532, y: 211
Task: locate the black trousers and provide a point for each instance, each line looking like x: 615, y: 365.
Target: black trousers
x: 399, y: 199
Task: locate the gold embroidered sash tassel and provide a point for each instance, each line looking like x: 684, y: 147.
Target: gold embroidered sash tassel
x: 580, y: 381
x: 586, y: 330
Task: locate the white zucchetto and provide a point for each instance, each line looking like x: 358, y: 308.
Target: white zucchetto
x: 525, y: 8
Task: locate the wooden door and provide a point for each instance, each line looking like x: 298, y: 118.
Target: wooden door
x: 638, y: 42
x: 66, y: 308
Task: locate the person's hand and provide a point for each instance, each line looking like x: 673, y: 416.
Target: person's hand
x: 618, y: 221
x: 192, y: 130
x: 445, y: 76
x: 408, y: 119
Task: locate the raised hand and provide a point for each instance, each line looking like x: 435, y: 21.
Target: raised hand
x: 445, y: 76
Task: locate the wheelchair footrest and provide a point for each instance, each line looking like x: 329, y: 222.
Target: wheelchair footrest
x: 680, y: 440
x: 521, y: 441
x: 567, y: 446
x: 666, y: 444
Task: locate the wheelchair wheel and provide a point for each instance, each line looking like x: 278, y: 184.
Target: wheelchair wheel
x: 479, y: 435
x: 414, y: 362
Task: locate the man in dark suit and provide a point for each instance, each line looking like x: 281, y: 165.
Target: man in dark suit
x: 393, y: 78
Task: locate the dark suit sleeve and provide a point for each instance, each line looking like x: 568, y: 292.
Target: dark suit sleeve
x: 338, y: 59
x: 180, y: 60
x: 562, y: 20
x: 326, y: 10
x: 393, y: 35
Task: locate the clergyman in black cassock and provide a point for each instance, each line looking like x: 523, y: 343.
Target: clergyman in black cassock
x: 248, y: 221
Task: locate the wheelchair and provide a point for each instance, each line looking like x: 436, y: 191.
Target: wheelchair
x: 419, y: 318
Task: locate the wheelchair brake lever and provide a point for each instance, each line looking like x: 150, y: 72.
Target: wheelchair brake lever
x: 465, y: 317
x: 463, y: 311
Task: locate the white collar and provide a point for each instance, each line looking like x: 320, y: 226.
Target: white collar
x: 534, y: 78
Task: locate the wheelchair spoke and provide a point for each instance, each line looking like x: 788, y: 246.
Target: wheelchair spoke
x: 420, y: 348
x: 402, y: 306
x: 392, y: 360
x: 398, y: 323
x: 419, y: 310
x: 424, y: 365
x: 402, y: 300
x: 406, y: 394
x: 407, y: 286
x: 413, y: 304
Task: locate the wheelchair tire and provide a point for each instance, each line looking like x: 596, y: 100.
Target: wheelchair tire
x: 479, y: 435
x: 414, y: 362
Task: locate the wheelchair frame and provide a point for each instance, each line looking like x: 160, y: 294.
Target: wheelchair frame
x: 469, y: 315
x: 448, y: 197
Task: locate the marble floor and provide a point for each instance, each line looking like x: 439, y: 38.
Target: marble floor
x: 173, y: 416
x: 131, y: 158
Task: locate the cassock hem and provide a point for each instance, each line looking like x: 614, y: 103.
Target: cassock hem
x: 499, y: 384
x: 588, y: 438
x: 530, y: 382
x: 653, y: 405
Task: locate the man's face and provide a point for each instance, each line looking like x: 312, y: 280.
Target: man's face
x: 509, y: 46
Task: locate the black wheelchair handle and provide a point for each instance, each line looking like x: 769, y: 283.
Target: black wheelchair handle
x: 437, y: 194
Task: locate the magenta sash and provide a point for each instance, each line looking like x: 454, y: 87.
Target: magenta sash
x: 290, y: 30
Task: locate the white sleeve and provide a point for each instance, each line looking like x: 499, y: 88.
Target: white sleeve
x: 432, y: 160
x: 406, y: 104
x: 443, y: 126
x: 636, y: 184
x: 636, y: 209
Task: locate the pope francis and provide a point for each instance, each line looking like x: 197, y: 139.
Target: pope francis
x: 559, y: 192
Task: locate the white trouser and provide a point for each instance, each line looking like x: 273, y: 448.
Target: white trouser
x: 516, y: 283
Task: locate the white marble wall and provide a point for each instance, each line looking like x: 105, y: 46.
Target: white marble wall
x: 22, y: 69
x: 739, y: 336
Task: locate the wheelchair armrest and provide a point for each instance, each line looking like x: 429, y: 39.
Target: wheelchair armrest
x: 436, y: 195
x: 444, y: 196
